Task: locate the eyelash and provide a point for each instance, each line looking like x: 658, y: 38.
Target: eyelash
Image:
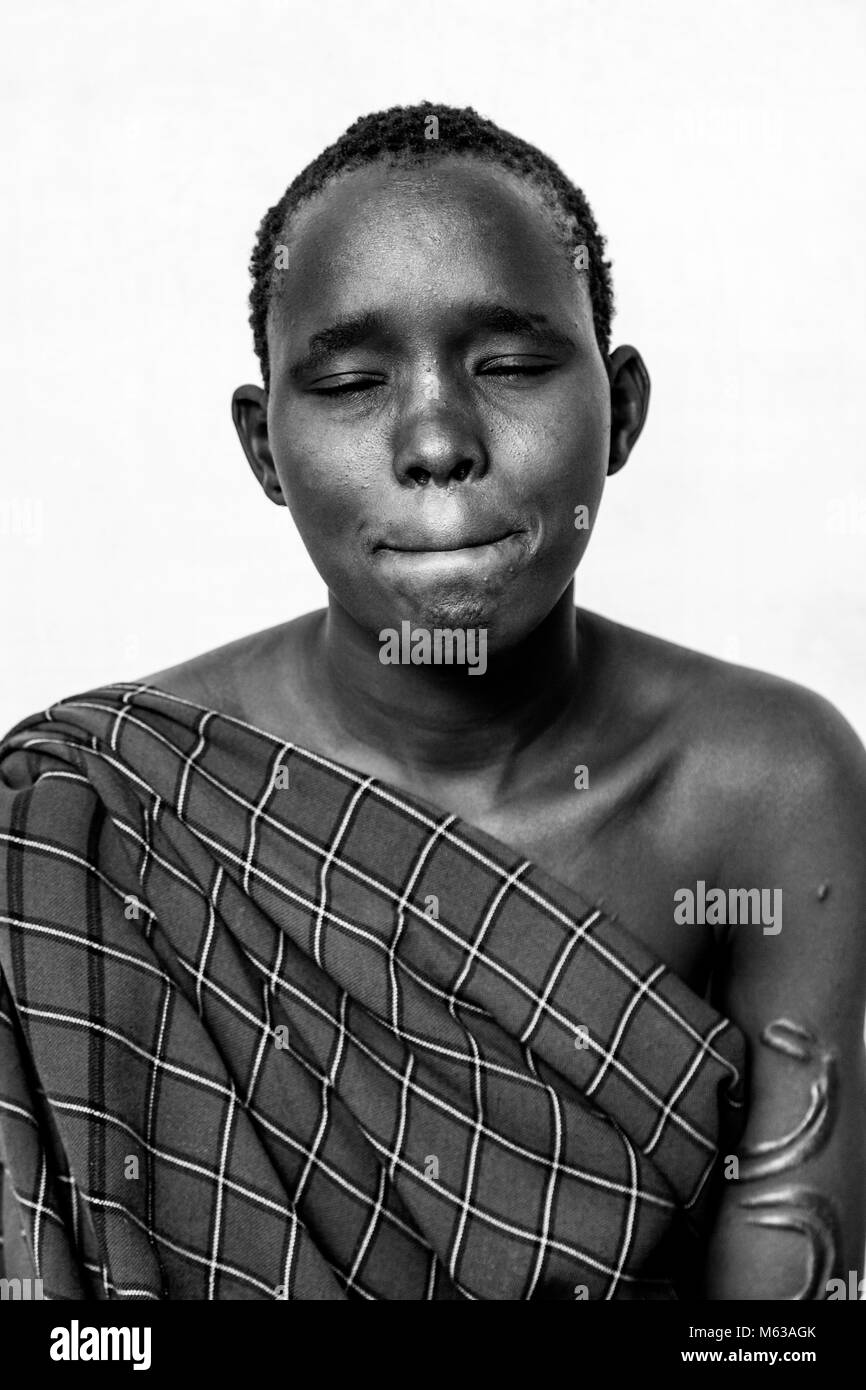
x: 538, y: 370
x: 350, y: 388
x: 357, y: 388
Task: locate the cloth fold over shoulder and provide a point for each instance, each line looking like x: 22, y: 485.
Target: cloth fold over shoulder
x: 271, y: 1029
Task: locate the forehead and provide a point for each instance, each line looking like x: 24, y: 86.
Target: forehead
x: 423, y: 236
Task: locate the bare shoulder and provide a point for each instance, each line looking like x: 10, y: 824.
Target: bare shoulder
x: 231, y: 677
x: 784, y: 755
x: 768, y: 780
x: 209, y: 677
x: 738, y: 731
x: 773, y: 777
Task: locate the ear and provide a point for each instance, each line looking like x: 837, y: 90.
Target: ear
x: 250, y: 416
x: 629, y: 403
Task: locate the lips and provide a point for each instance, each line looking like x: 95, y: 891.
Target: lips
x: 483, y: 562
x: 411, y: 542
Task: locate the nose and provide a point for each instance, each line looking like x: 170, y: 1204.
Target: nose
x: 437, y: 441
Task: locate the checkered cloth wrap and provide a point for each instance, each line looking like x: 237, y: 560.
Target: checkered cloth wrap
x: 272, y: 1029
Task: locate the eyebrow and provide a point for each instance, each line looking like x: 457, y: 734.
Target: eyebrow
x: 360, y: 328
x: 339, y: 337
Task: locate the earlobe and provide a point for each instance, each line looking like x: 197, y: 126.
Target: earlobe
x: 629, y: 403
x: 250, y: 416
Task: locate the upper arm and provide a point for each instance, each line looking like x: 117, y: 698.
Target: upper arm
x: 795, y: 1216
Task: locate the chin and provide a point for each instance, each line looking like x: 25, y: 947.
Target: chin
x: 454, y: 604
x: 455, y: 611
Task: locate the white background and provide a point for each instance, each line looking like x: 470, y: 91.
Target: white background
x: 720, y: 147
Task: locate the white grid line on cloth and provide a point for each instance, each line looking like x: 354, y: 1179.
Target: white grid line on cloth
x: 619, y: 966
x: 283, y: 1288
x: 328, y: 1082
x: 623, y: 1022
x: 151, y: 812
x: 628, y: 1231
x: 578, y: 934
x: 486, y: 923
x: 267, y: 1034
x: 202, y: 1079
x: 257, y: 811
x: 380, y: 791
x: 700, y: 1184
x: 325, y: 865
x: 93, y: 747
x: 543, y: 901
x: 668, y: 1111
x: 498, y: 1223
x: 121, y: 715
x: 73, y: 1203
x: 562, y: 1019
x: 477, y: 1212
x: 401, y: 917
x: 151, y: 1089
x: 372, y: 1223
x: 278, y: 964
x: 88, y: 943
x: 217, y: 1230
x: 125, y: 1292
x: 37, y: 1218
x: 431, y: 1279
x: 72, y: 1107
x: 300, y: 899
x: 173, y: 1160
x: 28, y: 842
x: 16, y: 1110
x: 108, y: 1204
x: 206, y: 1082
x: 114, y: 1287
x: 188, y: 761
x: 334, y: 1174
x: 438, y: 1102
x: 145, y: 963
x: 212, y: 898
x: 543, y: 1234
x: 165, y: 864
x: 311, y: 1003
x: 419, y: 816
x: 100, y: 1270
x: 460, y: 941
x: 524, y: 989
x: 478, y: 1125
x: 63, y: 777
x: 431, y: 1097
x: 401, y: 1123
x: 390, y: 798
x: 30, y: 1204
x: 365, y: 1293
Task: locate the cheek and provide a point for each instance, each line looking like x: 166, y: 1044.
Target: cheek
x: 561, y: 465
x: 324, y: 485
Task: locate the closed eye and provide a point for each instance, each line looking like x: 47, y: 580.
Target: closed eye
x: 345, y: 386
x: 514, y: 369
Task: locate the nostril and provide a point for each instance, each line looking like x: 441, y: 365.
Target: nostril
x: 418, y: 475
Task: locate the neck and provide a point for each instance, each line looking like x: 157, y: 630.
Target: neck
x: 438, y: 719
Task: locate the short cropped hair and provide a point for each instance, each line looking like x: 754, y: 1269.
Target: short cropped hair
x: 414, y: 134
